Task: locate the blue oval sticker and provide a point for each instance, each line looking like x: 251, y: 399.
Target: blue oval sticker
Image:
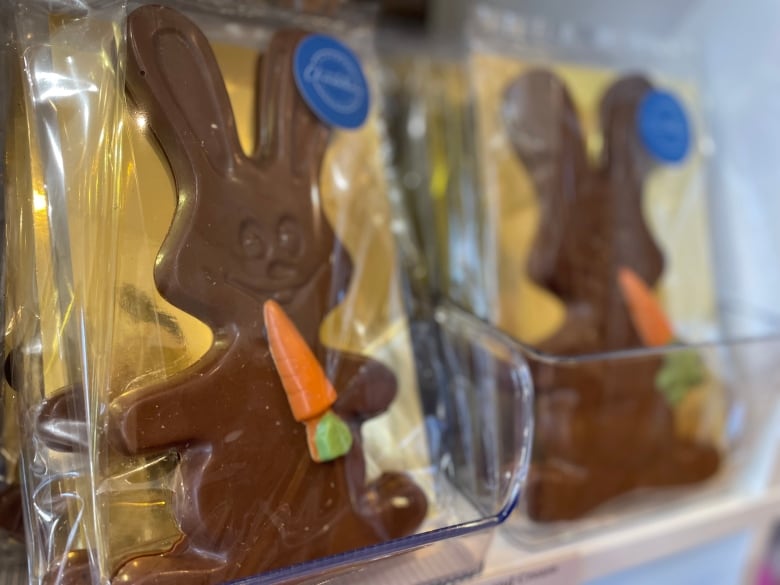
x: 331, y: 81
x: 663, y: 127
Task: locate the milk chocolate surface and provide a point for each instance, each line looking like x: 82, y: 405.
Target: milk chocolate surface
x: 11, y: 518
x: 602, y: 428
x: 247, y: 228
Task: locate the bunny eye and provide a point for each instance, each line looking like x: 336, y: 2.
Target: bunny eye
x: 251, y: 239
x: 290, y: 238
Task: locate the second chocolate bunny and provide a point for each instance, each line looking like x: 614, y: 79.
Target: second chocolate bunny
x: 602, y: 427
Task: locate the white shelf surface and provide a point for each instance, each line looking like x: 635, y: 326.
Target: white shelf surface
x: 611, y: 552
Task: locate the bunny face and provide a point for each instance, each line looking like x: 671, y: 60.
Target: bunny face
x: 246, y: 247
x: 249, y: 227
x: 275, y: 252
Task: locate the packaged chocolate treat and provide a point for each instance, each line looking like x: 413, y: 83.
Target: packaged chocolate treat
x: 593, y: 154
x: 213, y: 361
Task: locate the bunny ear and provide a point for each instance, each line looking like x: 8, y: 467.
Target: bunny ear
x: 542, y: 124
x: 544, y: 129
x: 275, y: 96
x: 173, y: 74
x: 286, y: 127
x: 625, y: 164
x: 623, y: 152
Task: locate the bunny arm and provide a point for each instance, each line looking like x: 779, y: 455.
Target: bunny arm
x: 365, y: 387
x: 173, y: 407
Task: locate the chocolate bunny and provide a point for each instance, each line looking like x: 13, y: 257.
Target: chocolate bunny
x: 248, y: 228
x: 602, y: 428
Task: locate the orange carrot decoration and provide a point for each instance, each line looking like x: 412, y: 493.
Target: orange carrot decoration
x: 648, y: 317
x: 308, y: 389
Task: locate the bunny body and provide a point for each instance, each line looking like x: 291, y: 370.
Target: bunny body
x: 602, y: 427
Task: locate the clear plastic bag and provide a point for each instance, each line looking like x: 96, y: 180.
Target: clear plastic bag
x: 216, y: 376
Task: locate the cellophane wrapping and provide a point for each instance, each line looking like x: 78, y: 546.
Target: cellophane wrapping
x: 212, y: 359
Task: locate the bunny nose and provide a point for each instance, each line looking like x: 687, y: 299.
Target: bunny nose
x: 279, y: 270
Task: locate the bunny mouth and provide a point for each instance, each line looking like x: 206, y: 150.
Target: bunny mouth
x: 281, y: 296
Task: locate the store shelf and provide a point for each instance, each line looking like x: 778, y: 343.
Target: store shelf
x: 621, y: 549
